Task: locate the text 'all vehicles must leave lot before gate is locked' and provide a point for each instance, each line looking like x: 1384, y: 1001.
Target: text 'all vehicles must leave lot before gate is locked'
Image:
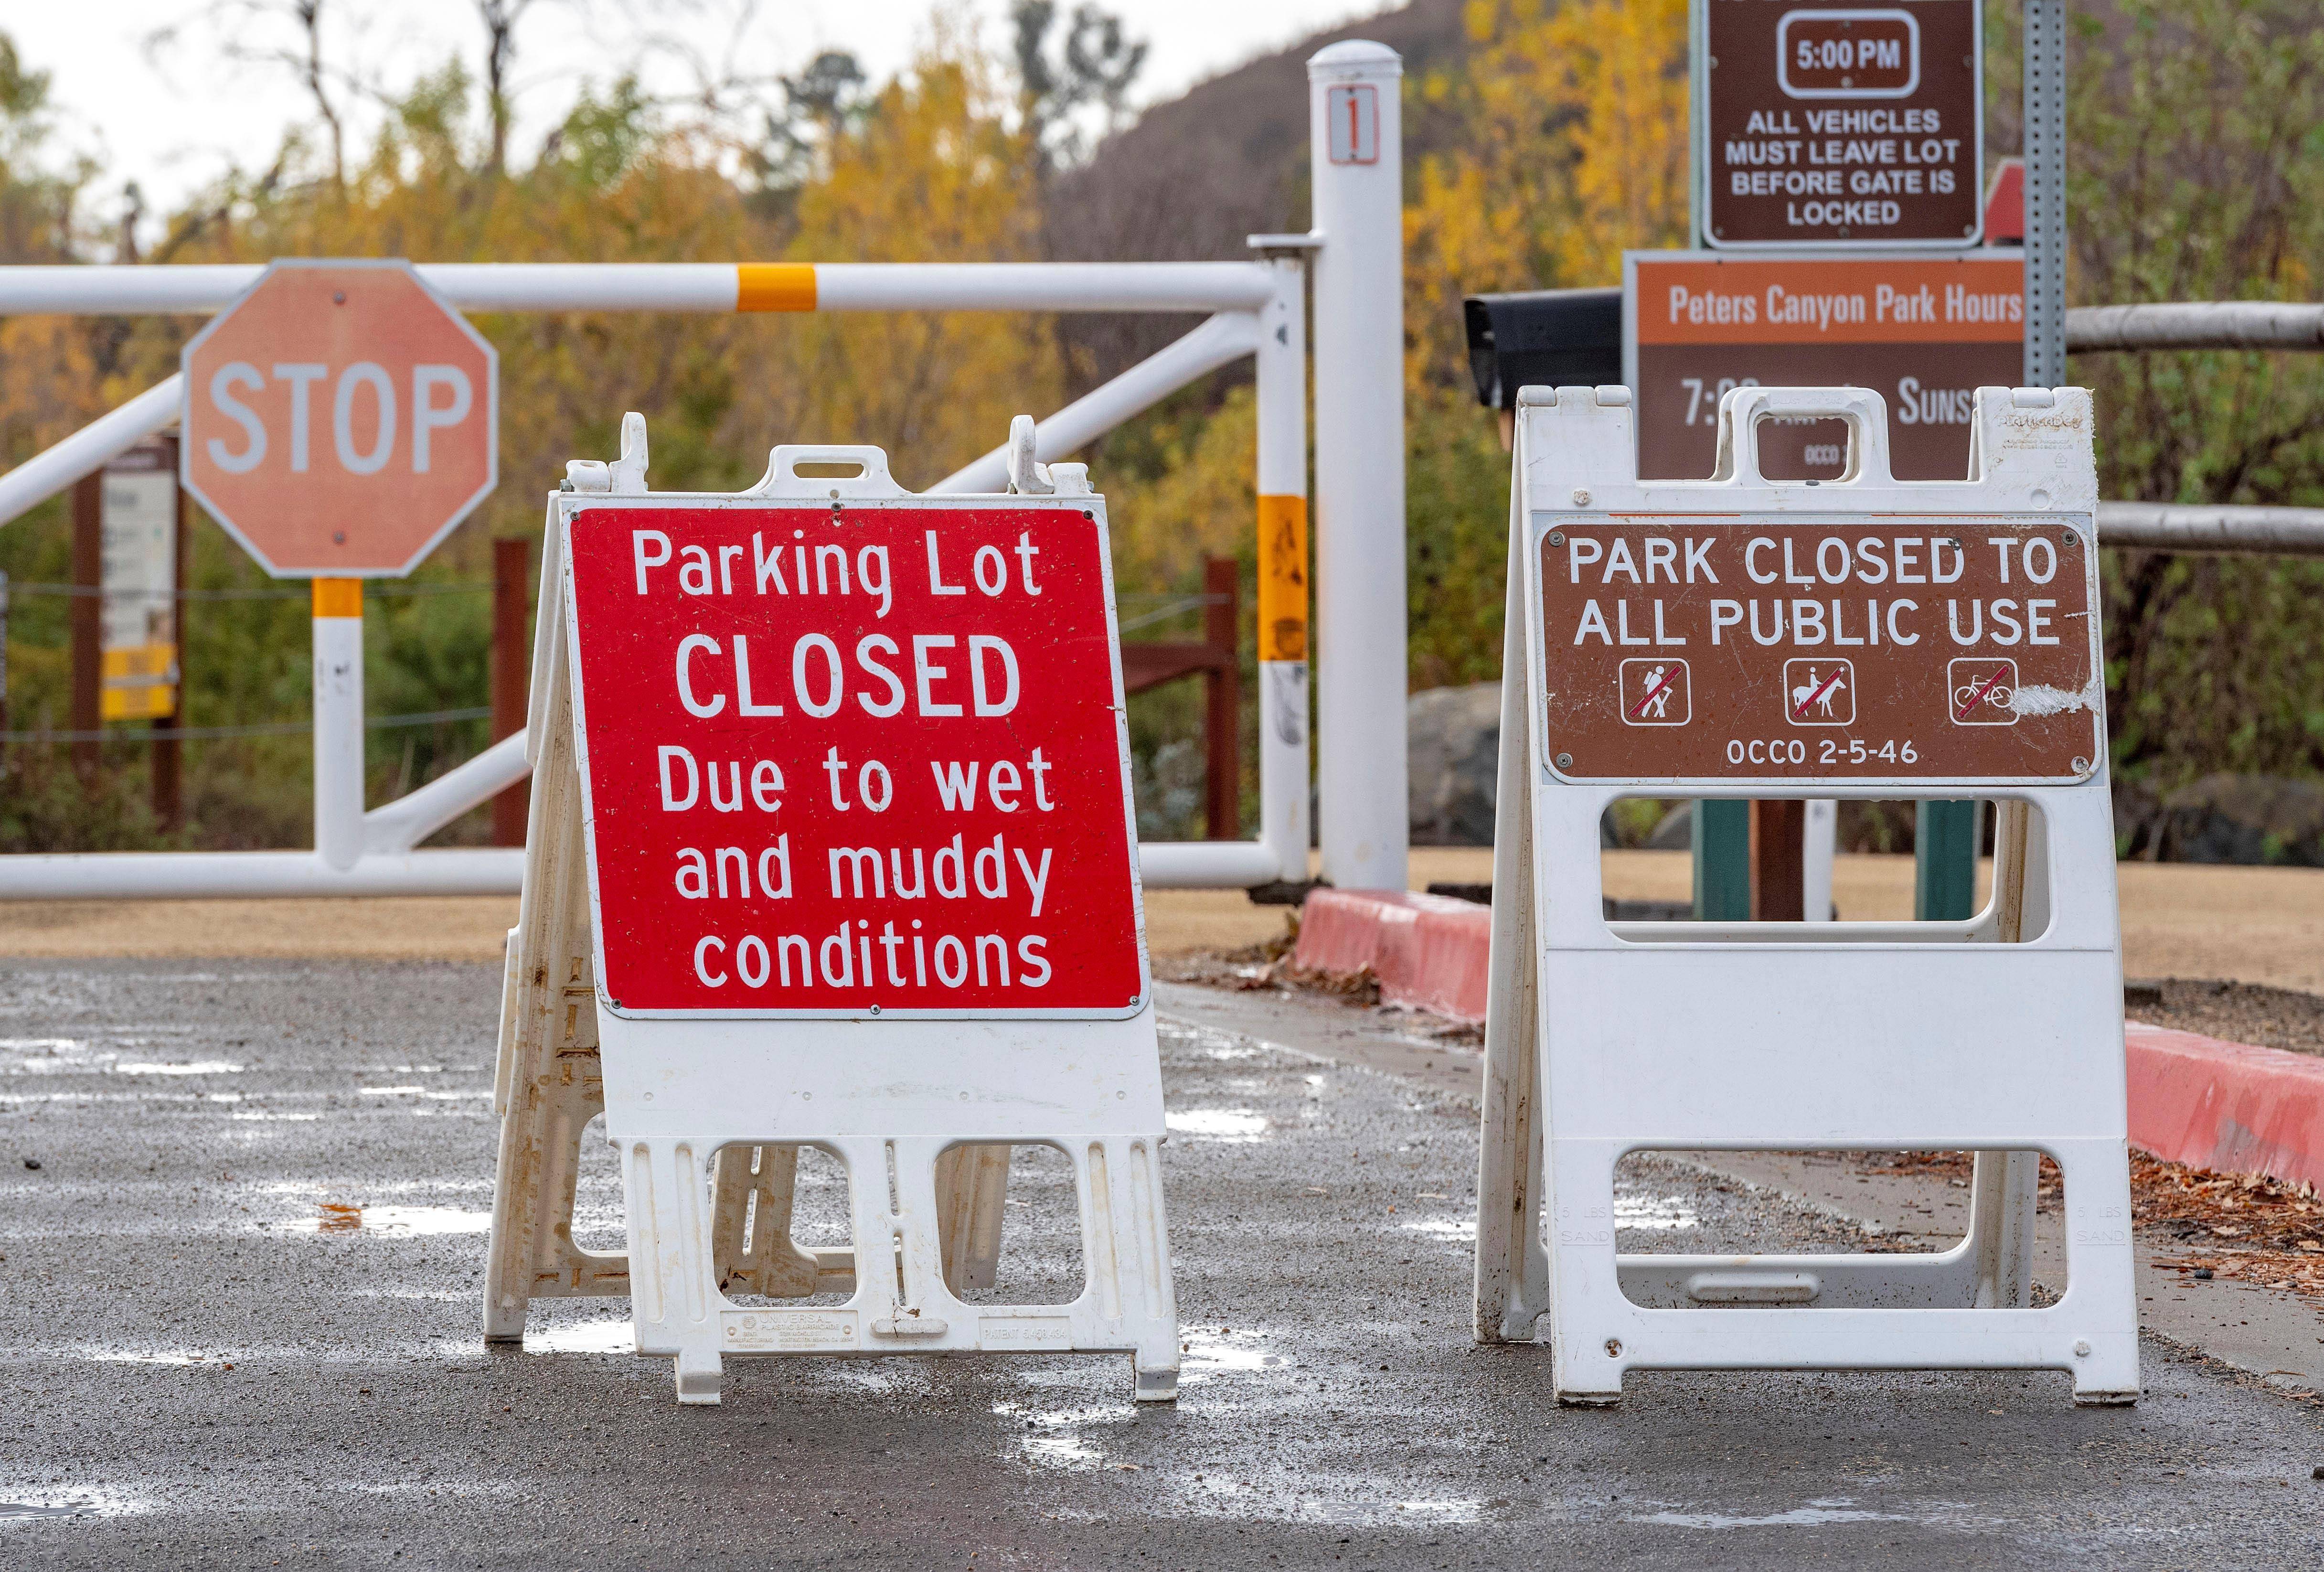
x: 854, y: 762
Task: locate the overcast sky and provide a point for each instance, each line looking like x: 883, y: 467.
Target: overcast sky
x: 172, y: 120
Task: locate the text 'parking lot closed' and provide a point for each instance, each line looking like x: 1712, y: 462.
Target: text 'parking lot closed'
x: 867, y: 760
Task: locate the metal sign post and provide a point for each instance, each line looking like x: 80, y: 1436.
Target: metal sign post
x: 841, y: 807
x: 2045, y: 192
x: 1741, y: 637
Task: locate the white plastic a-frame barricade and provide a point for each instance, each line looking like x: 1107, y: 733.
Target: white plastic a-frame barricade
x: 1636, y: 667
x: 902, y: 1053
x: 550, y: 1083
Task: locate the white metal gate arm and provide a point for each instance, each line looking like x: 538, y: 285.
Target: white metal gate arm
x: 691, y: 286
x: 1221, y: 341
x: 238, y: 875
x: 2197, y: 325
x: 2216, y: 527
x: 404, y: 823
x: 45, y: 474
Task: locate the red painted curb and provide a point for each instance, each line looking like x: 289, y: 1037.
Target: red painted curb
x: 2225, y: 1105
x: 1428, y: 951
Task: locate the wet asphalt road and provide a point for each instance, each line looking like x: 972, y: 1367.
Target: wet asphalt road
x: 200, y: 1371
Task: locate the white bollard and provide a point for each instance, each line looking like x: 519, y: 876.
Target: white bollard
x: 1818, y: 844
x: 1355, y: 152
x: 339, y: 721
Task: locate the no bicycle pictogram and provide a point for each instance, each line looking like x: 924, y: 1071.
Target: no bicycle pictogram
x: 1982, y: 692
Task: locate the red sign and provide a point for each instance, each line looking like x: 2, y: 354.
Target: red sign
x: 339, y: 419
x: 861, y: 761
x: 1924, y: 332
x: 1945, y: 648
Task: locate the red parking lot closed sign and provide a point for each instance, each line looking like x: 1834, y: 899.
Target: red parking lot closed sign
x: 863, y: 761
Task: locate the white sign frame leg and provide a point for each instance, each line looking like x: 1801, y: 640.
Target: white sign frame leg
x: 2032, y: 1067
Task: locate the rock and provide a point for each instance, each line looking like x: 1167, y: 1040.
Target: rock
x: 2243, y: 820
x: 1675, y: 833
x: 1454, y: 735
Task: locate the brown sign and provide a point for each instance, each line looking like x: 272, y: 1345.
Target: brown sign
x: 1845, y: 125
x: 1753, y: 647
x: 1923, y: 332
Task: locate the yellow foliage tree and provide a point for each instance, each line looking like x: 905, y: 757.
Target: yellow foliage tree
x: 1574, y: 149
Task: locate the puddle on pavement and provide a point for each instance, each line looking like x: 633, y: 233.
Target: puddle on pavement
x: 393, y: 1222
x: 1815, y: 1514
x: 1050, y: 1436
x: 581, y: 1337
x: 1202, y: 1354
x: 1460, y: 1508
x: 79, y: 1504
x: 201, y: 1066
x: 1222, y: 1124
x: 183, y: 1358
x: 1223, y: 1047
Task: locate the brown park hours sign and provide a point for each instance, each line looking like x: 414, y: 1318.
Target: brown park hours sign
x: 1924, y: 332
x: 1836, y: 124
x: 1752, y: 647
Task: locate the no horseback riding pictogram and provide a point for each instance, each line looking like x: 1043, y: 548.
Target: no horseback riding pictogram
x: 1820, y: 692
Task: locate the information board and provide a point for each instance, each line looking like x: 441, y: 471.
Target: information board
x: 138, y: 558
x: 1924, y: 332
x: 1842, y: 125
x: 854, y: 761
x: 1949, y: 648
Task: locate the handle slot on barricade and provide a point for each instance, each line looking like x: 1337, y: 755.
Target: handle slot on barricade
x: 826, y: 469
x: 1742, y: 411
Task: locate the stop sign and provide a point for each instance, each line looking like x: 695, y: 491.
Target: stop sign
x: 339, y: 418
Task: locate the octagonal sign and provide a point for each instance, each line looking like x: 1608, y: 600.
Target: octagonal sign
x: 340, y: 418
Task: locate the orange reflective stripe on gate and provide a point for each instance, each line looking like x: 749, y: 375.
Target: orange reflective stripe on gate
x: 774, y: 286
x: 1282, y: 577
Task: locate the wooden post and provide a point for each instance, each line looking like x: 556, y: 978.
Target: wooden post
x: 1222, y: 685
x: 512, y: 676
x: 1778, y: 835
x: 88, y: 618
x: 168, y: 758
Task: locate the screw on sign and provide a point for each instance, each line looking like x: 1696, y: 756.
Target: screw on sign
x: 339, y: 418
x: 854, y: 762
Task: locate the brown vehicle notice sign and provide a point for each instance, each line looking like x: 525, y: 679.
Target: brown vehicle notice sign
x: 1929, y: 648
x: 1841, y: 124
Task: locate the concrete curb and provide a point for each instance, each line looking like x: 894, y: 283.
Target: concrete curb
x: 2230, y: 1107
x: 2226, y: 1105
x: 1429, y: 952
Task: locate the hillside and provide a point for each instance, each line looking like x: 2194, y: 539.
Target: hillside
x: 1196, y: 175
